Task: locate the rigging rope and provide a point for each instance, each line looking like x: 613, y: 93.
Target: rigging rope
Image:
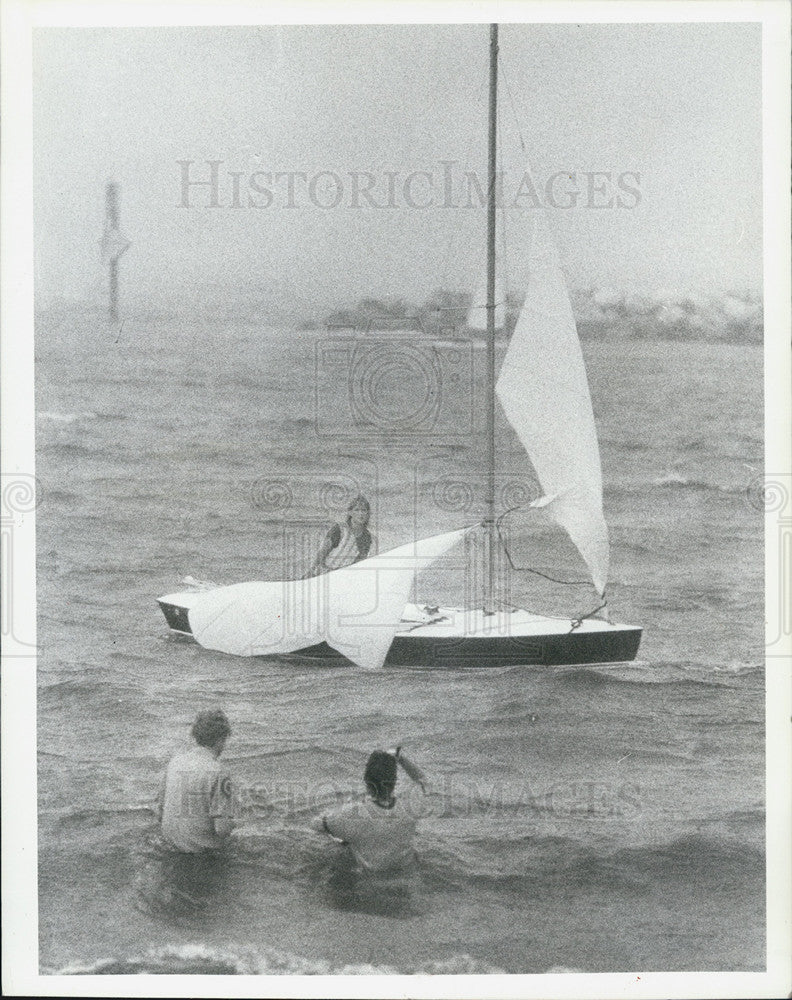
x: 527, y: 569
x: 575, y: 622
x: 514, y: 109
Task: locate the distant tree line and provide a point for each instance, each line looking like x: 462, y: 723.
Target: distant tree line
x: 599, y: 313
x: 445, y: 312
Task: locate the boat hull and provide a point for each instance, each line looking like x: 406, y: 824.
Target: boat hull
x: 556, y: 643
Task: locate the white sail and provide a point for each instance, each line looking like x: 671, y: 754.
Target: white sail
x: 544, y: 392
x: 356, y: 610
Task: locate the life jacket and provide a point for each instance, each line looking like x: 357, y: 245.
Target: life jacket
x: 347, y: 549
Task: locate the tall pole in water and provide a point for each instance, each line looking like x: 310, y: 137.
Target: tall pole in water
x: 111, y: 215
x: 114, y: 244
x: 490, y: 535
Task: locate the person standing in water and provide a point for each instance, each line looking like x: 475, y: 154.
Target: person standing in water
x: 378, y: 829
x: 345, y: 543
x: 195, y: 802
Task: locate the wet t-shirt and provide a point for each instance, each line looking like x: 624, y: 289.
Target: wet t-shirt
x: 379, y: 838
x: 195, y: 791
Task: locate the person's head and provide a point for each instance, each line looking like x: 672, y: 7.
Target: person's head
x: 359, y: 511
x: 380, y: 774
x: 211, y: 729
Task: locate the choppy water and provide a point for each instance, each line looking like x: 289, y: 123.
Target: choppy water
x: 597, y: 819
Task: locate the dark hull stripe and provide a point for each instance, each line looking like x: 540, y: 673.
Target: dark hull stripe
x: 617, y: 646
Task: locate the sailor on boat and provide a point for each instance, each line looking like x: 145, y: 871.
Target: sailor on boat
x: 345, y: 543
x: 378, y: 829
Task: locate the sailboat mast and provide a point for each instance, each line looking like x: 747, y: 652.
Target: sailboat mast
x: 490, y: 541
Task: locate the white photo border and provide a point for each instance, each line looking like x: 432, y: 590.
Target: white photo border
x: 19, y: 860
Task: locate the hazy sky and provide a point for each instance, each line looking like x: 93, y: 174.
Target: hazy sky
x: 677, y: 105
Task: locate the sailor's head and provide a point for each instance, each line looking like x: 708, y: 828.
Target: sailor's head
x: 211, y: 729
x: 359, y: 511
x: 380, y: 774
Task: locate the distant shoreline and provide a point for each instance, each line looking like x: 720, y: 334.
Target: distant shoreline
x: 600, y: 314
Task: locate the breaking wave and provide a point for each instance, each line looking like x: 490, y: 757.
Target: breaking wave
x: 199, y: 959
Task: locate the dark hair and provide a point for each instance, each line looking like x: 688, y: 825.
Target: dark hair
x: 210, y: 727
x: 360, y: 501
x: 380, y: 774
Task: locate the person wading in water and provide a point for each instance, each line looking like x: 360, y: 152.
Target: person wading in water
x: 195, y: 802
x: 379, y: 828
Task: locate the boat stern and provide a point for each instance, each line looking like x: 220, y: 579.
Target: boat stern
x: 176, y: 609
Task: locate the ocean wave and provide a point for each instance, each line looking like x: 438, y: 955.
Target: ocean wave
x: 552, y: 864
x: 679, y: 603
x: 708, y: 673
x: 747, y: 818
x: 756, y: 816
x: 697, y: 857
x: 237, y: 381
x: 69, y: 449
x: 53, y: 417
x: 673, y: 481
x: 85, y: 687
x: 739, y: 668
x: 200, y: 452
x: 111, y: 417
x: 676, y: 480
x: 639, y: 674
x: 60, y: 496
x: 200, y: 959
x: 731, y: 724
x: 100, y: 815
x: 297, y: 423
x: 621, y: 444
x: 639, y: 548
x: 583, y: 678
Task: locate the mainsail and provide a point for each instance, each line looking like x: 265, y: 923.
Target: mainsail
x: 544, y: 392
x: 356, y: 610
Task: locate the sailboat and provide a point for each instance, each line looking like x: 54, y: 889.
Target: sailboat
x: 362, y: 612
